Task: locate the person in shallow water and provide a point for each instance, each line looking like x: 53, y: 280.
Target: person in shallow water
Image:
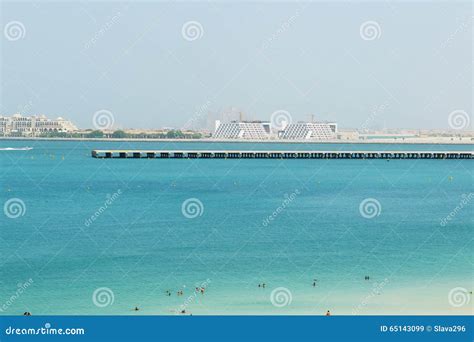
x: 136, y: 308
x: 328, y: 313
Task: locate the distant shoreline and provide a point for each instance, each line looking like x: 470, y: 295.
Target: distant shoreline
x: 410, y: 141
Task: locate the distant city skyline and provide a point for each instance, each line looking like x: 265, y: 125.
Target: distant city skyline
x: 183, y: 65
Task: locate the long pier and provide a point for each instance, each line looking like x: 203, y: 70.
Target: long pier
x: 227, y: 154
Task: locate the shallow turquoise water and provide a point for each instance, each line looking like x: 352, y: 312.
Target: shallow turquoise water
x: 142, y: 245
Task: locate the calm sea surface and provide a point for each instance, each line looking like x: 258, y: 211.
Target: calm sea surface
x: 279, y: 222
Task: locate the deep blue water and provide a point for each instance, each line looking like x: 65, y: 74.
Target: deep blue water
x: 142, y: 245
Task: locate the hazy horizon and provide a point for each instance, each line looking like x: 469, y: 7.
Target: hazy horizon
x: 373, y: 65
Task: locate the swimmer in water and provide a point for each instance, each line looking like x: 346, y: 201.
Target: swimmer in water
x: 328, y: 313
x: 136, y: 308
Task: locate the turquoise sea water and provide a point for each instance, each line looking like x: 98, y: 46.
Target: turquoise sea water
x: 140, y: 243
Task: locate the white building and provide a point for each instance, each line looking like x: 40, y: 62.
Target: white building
x: 242, y: 130
x: 310, y: 131
x: 18, y: 125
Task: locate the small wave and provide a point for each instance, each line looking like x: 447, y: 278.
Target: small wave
x: 15, y: 148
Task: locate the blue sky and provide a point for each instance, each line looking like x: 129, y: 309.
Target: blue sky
x: 133, y: 60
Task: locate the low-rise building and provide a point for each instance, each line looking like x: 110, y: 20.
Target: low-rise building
x: 31, y: 126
